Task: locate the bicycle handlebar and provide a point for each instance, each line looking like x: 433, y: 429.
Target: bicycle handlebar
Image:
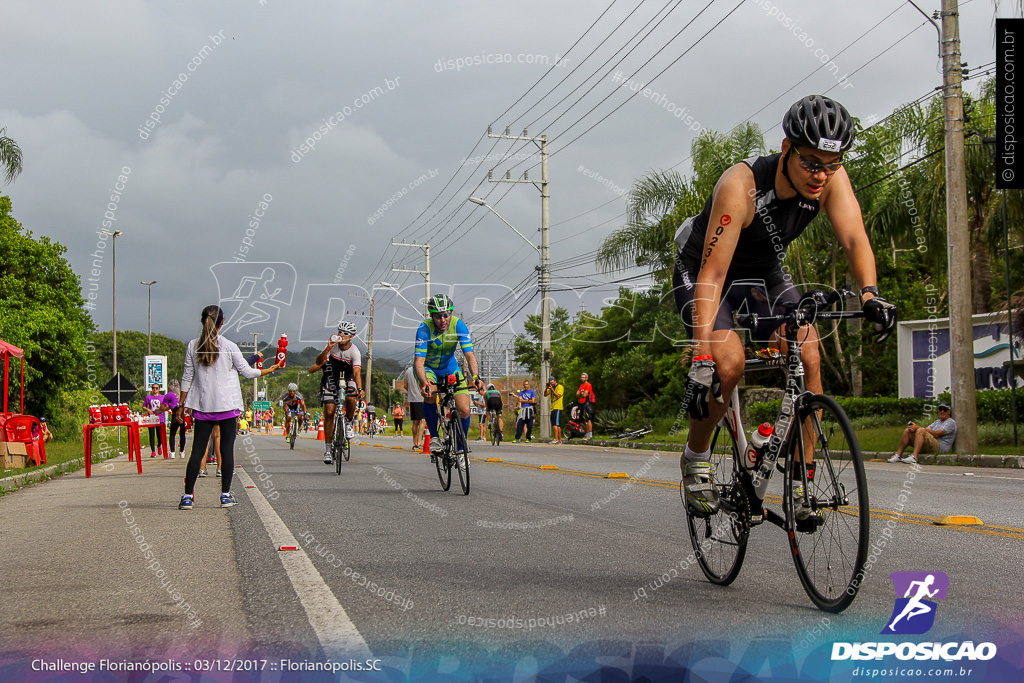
x: 808, y: 310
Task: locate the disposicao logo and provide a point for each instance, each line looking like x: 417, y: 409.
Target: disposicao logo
x: 913, y: 613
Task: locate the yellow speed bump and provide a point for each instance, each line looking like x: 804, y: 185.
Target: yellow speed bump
x: 493, y: 460
x: 398, y: 448
x: 378, y: 445
x: 616, y: 475
x: 959, y: 520
x: 549, y: 467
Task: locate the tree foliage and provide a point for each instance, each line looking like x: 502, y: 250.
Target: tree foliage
x: 41, y: 311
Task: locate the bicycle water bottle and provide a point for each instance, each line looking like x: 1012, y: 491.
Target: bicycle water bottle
x: 755, y: 448
x: 282, y: 349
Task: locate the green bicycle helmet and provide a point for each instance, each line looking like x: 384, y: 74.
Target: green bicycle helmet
x: 440, y: 303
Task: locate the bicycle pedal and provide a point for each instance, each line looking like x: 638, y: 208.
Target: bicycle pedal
x: 758, y: 518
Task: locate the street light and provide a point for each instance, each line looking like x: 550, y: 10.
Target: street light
x: 113, y: 286
x: 545, y: 307
x: 477, y: 200
x: 388, y: 285
x: 149, y: 316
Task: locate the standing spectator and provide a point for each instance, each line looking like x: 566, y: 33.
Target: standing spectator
x: 556, y: 391
x: 527, y: 400
x: 937, y: 437
x: 151, y: 406
x: 213, y: 364
x: 479, y: 408
x: 414, y: 397
x: 585, y: 397
x: 398, y: 415
x: 171, y: 402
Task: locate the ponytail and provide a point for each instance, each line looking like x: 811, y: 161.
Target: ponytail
x: 209, y: 348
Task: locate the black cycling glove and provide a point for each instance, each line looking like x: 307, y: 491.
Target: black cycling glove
x: 883, y: 316
x: 702, y: 383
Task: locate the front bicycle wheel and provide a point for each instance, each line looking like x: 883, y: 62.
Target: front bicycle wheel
x: 720, y: 540
x: 829, y: 521
x: 460, y: 451
x: 292, y: 435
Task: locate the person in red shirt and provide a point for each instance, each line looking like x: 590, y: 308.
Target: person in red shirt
x: 585, y: 397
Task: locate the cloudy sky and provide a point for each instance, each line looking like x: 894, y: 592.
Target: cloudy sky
x: 267, y: 153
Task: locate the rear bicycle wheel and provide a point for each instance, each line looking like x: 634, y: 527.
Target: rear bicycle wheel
x: 460, y: 451
x: 830, y: 543
x: 494, y: 432
x: 720, y: 540
x: 444, y: 470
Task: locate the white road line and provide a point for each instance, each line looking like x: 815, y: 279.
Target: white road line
x: 338, y: 636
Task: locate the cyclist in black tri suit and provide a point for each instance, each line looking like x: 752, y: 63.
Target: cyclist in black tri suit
x: 730, y: 260
x: 292, y: 401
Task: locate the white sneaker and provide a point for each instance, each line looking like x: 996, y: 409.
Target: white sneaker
x: 349, y: 433
x: 909, y: 459
x: 895, y: 458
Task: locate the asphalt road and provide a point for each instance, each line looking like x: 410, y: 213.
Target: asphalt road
x: 547, y: 565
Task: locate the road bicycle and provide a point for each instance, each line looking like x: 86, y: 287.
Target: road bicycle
x: 635, y: 433
x: 494, y: 429
x: 341, y: 447
x: 825, y: 510
x: 455, y: 447
x: 293, y: 427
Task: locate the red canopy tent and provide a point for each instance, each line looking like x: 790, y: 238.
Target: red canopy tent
x: 18, y: 427
x: 7, y: 351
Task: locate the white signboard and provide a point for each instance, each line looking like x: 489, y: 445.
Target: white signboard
x: 155, y: 372
x: 924, y: 355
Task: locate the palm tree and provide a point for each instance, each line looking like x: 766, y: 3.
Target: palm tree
x: 910, y: 208
x: 10, y: 157
x: 660, y: 201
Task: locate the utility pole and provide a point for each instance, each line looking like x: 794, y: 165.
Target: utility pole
x: 369, y: 351
x: 425, y: 272
x: 545, y: 266
x: 961, y: 371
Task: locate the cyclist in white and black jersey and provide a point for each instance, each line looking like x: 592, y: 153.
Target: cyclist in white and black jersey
x: 340, y: 363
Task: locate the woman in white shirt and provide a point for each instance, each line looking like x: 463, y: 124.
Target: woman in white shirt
x: 209, y: 388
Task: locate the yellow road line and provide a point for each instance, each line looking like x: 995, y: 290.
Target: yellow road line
x: 907, y: 518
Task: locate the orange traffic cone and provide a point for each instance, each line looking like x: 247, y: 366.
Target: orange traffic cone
x: 320, y: 432
x: 426, y: 443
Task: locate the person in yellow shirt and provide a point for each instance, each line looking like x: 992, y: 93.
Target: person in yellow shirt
x: 556, y: 391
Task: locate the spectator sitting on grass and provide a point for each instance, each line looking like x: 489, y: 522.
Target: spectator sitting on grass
x: 935, y: 438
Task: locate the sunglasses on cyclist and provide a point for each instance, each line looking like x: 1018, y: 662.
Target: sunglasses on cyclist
x: 812, y: 166
x: 441, y: 315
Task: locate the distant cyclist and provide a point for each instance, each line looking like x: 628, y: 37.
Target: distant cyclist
x: 292, y: 401
x: 494, y: 405
x: 730, y: 259
x: 436, y: 341
x: 340, y: 362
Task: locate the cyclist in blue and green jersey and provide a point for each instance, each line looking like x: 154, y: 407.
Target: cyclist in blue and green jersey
x: 436, y: 341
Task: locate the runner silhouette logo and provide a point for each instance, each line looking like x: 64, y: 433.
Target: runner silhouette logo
x: 916, y: 596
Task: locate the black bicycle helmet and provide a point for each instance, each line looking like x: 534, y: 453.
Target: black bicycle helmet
x: 820, y: 122
x: 440, y: 303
